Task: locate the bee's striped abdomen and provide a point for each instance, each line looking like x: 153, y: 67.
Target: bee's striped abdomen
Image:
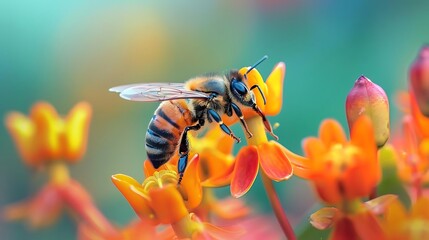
x: 165, y: 129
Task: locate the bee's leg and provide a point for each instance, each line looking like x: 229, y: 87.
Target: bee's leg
x: 184, y: 150
x: 213, y: 114
x: 237, y: 111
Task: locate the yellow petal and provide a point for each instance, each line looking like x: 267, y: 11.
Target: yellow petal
x: 275, y: 90
x: 48, y: 128
x: 255, y: 78
x: 76, y: 131
x: 23, y: 133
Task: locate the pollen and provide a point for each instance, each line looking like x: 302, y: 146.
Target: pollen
x: 340, y: 157
x: 160, y: 179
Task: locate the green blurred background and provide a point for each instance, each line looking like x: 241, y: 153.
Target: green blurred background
x: 66, y: 52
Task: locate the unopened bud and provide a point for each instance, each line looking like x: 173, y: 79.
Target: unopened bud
x: 367, y: 98
x: 419, y: 80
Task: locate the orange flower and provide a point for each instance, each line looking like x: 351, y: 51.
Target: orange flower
x: 358, y: 222
x: 402, y: 225
x: 45, y: 207
x: 341, y: 170
x: 44, y: 136
x: 216, y: 160
x: 159, y: 198
x: 161, y: 201
x: 269, y: 154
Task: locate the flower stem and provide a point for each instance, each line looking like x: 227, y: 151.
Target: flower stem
x: 59, y: 172
x: 185, y: 227
x: 277, y: 207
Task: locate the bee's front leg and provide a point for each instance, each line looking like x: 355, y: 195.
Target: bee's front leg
x: 213, y: 114
x: 237, y: 111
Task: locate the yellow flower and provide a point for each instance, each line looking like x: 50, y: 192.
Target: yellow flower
x: 44, y: 136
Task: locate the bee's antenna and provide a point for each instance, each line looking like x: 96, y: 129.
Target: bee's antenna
x: 260, y: 91
x: 255, y: 65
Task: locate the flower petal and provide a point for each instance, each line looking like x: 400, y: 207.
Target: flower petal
x: 378, y: 205
x: 148, y: 168
x: 137, y: 201
x: 167, y: 204
x: 344, y: 230
x: 274, y: 161
x: 245, y: 171
x: 367, y: 225
x: 331, y: 132
x: 230, y: 208
x: 324, y: 218
x: 275, y: 89
x: 80, y: 202
x: 313, y: 148
x: 48, y: 128
x: 23, y: 133
x: 255, y: 78
x: 191, y: 184
x: 76, y: 131
x: 362, y: 135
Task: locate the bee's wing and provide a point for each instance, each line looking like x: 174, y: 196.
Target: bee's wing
x: 155, y: 92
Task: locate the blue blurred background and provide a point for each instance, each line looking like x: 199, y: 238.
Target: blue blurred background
x: 66, y: 52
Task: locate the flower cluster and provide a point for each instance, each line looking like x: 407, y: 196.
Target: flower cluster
x: 349, y: 175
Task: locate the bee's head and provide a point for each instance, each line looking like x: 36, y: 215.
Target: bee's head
x: 240, y: 91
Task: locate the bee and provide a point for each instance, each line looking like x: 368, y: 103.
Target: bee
x: 188, y: 106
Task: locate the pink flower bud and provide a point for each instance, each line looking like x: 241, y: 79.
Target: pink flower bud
x: 419, y: 80
x: 367, y: 98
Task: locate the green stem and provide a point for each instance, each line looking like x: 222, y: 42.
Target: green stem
x: 277, y: 207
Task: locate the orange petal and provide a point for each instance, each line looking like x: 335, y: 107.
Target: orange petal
x: 221, y: 176
x: 191, y: 184
x: 76, y: 131
x: 420, y: 209
x: 403, y: 101
x: 167, y: 204
x: 313, y: 148
x: 274, y: 161
x: 302, y: 166
x: 359, y: 181
x: 275, y: 89
x: 344, y: 230
x: 362, y: 135
x: 245, y: 171
x: 331, y: 132
x: 137, y: 201
x: 327, y: 187
x: 324, y: 218
x: 367, y: 226
x: 148, y: 168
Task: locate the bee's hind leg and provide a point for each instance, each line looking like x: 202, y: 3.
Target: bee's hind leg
x: 184, y: 151
x: 213, y: 114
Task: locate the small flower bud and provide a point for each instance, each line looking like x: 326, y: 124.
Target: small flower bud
x: 419, y: 80
x: 370, y: 99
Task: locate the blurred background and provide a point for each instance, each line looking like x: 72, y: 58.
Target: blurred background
x: 66, y: 52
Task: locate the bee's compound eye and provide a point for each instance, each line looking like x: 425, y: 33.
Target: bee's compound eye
x: 239, y: 87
